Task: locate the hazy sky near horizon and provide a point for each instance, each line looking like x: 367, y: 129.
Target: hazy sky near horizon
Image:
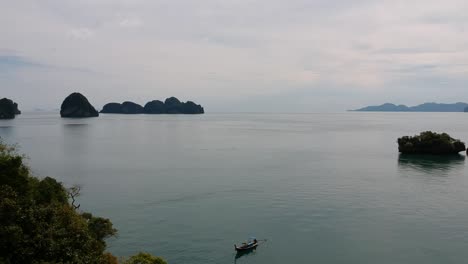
x: 235, y: 55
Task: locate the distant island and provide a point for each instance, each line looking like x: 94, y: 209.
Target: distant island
x: 77, y: 105
x: 430, y: 143
x: 426, y: 107
x: 171, y: 105
x: 8, y: 109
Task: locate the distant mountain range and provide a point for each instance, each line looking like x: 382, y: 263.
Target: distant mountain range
x: 426, y: 107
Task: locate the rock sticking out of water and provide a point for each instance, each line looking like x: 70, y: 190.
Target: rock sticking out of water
x: 76, y: 105
x: 8, y: 109
x: 430, y: 143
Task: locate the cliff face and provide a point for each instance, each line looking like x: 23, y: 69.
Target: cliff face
x: 77, y: 105
x: 171, y: 105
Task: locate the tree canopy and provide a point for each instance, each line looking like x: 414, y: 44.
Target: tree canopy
x: 39, y: 225
x: 145, y: 258
x: 430, y: 143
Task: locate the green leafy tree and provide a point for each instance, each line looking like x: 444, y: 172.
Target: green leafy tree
x: 429, y: 142
x: 145, y: 258
x: 39, y: 225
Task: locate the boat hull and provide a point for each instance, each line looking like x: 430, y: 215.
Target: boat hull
x: 246, y: 248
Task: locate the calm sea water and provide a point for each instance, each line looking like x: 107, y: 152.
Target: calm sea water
x: 321, y: 188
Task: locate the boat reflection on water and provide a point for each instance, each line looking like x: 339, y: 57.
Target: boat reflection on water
x: 241, y: 254
x: 431, y: 163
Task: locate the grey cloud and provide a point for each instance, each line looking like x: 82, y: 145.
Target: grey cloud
x: 232, y: 50
x: 16, y: 62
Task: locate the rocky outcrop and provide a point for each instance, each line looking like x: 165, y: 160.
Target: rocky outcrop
x: 430, y: 143
x: 131, y: 108
x: 112, y: 108
x: 174, y: 106
x: 8, y: 109
x: 191, y: 108
x: 171, y: 105
x: 155, y: 107
x: 17, y: 111
x: 76, y: 105
x: 124, y: 108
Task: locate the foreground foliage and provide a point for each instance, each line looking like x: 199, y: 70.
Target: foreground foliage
x: 145, y: 258
x: 430, y: 143
x: 39, y: 225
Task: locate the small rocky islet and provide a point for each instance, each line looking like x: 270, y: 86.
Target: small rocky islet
x: 429, y: 142
x: 171, y: 105
x: 8, y: 109
x: 77, y: 105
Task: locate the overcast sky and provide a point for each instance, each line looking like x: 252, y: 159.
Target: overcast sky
x: 235, y: 55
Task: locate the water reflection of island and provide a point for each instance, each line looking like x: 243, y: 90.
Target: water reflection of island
x: 430, y: 163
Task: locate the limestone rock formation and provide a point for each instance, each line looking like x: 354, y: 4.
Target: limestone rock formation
x: 8, y: 109
x: 17, y: 111
x: 112, y: 108
x: 171, y: 105
x: 76, y: 105
x: 131, y: 108
x: 155, y: 107
x: 124, y: 108
x: 174, y: 106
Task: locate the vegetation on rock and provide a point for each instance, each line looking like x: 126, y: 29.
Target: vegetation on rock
x: 76, y: 105
x: 38, y: 224
x: 430, y: 143
x: 145, y: 258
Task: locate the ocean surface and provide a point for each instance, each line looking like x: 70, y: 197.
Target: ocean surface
x: 320, y: 188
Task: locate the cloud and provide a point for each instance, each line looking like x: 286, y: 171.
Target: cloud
x: 12, y: 63
x: 15, y: 61
x: 81, y: 33
x: 233, y: 50
x: 131, y: 22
